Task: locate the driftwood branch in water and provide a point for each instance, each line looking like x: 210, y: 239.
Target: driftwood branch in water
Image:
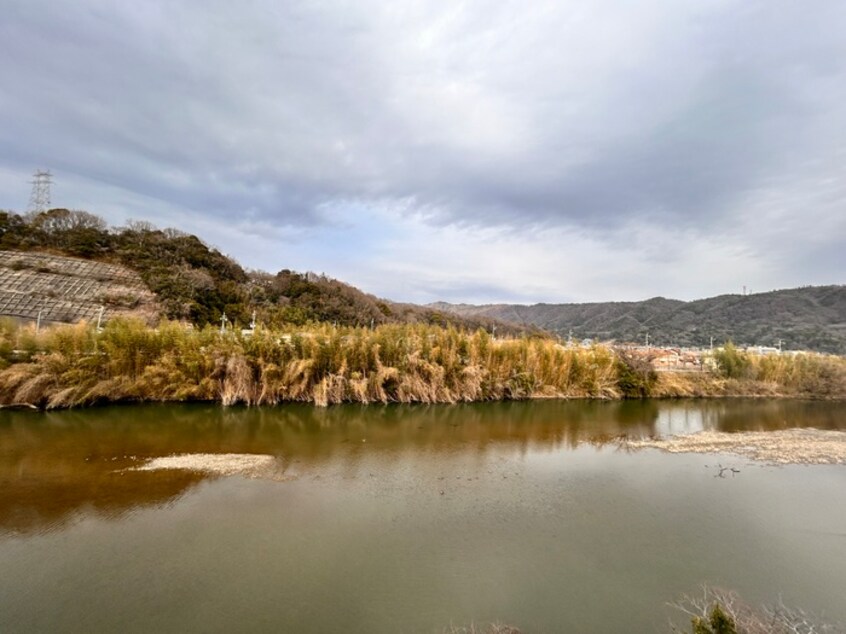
x: 722, y: 472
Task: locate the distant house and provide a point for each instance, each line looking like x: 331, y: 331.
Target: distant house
x: 664, y: 359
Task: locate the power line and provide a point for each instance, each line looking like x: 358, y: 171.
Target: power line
x: 39, y: 199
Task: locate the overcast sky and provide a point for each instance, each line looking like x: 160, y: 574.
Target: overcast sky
x: 467, y: 151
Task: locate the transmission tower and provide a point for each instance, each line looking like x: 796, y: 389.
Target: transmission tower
x: 39, y: 200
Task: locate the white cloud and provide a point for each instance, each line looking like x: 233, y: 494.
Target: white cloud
x: 497, y: 149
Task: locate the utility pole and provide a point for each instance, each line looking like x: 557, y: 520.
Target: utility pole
x: 100, y: 317
x: 779, y: 345
x: 223, y: 323
x: 647, y: 340
x: 712, y: 344
x: 39, y: 199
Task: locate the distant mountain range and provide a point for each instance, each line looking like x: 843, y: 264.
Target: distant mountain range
x: 60, y: 264
x: 812, y: 318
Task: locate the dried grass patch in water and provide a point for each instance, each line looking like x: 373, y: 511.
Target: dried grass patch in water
x: 222, y: 464
x: 490, y: 628
x: 789, y: 446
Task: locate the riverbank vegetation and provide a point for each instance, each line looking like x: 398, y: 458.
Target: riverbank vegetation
x: 488, y: 628
x: 740, y: 373
x: 70, y: 366
x: 323, y: 364
x: 717, y: 611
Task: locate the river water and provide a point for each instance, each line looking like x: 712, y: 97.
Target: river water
x: 407, y: 518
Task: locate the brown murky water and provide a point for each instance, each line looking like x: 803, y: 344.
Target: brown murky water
x: 404, y: 519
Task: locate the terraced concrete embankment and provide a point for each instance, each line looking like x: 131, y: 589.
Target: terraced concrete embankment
x: 69, y: 290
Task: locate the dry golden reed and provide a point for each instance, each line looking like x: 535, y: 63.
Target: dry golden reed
x: 70, y: 366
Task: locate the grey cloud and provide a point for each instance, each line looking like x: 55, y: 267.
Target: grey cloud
x: 747, y: 120
x: 274, y: 109
x: 141, y: 102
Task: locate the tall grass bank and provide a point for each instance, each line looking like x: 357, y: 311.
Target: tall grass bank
x: 71, y: 366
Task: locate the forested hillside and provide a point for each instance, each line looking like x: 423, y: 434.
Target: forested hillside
x: 197, y: 283
x: 194, y: 282
x: 812, y: 318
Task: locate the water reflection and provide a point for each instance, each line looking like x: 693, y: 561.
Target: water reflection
x: 689, y: 417
x: 55, y: 466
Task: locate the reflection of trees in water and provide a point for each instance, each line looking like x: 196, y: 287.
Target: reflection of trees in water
x: 51, y: 493
x: 729, y: 415
x: 53, y: 464
x: 309, y: 432
x: 764, y: 415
